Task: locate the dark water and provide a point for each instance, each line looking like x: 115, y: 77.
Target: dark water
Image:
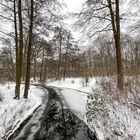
x: 57, y: 123
x: 62, y: 124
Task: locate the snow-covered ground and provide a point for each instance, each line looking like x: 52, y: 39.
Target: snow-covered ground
x: 14, y: 112
x: 75, y: 83
x: 103, y: 108
x: 112, y: 114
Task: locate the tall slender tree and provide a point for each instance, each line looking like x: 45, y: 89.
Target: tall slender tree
x: 20, y: 52
x: 16, y: 37
x: 115, y: 21
x: 28, y: 67
x: 94, y: 15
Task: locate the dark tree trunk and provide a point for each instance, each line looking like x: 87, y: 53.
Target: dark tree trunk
x: 42, y: 65
x: 59, y: 61
x: 34, y: 69
x: 28, y: 67
x: 19, y: 55
x: 116, y: 31
x: 65, y: 66
x: 118, y: 49
x: 24, y: 59
x: 45, y: 71
x: 16, y: 45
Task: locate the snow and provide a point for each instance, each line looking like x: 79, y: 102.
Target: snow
x: 14, y: 112
x: 76, y: 101
x: 74, y: 83
x: 112, y: 118
x: 74, y: 92
x: 121, y: 122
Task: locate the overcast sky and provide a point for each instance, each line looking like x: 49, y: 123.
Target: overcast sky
x: 73, y: 5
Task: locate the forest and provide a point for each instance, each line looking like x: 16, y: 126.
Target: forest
x: 92, y: 51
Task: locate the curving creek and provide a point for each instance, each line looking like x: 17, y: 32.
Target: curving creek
x: 52, y: 121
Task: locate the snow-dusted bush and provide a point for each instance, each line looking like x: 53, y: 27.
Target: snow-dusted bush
x: 95, y: 105
x: 132, y: 95
x: 114, y: 114
x: 7, y: 122
x: 10, y: 118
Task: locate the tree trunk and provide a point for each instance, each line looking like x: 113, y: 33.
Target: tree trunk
x: 19, y: 52
x: 116, y: 31
x: 65, y: 66
x: 45, y: 71
x: 59, y: 61
x: 25, y: 59
x: 35, y: 69
x: 42, y: 64
x: 118, y: 49
x: 28, y: 67
x: 16, y: 45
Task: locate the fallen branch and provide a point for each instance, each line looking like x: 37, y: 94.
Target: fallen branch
x: 135, y: 104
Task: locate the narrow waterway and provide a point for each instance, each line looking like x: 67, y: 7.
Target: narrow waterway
x: 53, y: 122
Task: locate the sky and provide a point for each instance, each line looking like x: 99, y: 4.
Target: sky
x: 73, y: 5
x: 130, y: 8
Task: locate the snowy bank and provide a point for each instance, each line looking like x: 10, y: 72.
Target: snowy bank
x: 14, y: 112
x: 74, y: 83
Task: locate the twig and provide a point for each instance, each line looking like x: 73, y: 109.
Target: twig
x: 135, y: 104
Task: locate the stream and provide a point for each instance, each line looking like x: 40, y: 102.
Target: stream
x: 52, y: 121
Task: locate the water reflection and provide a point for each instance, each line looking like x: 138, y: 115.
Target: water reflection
x: 61, y: 124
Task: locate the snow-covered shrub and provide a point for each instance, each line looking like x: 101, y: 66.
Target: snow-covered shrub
x: 114, y: 114
x: 95, y: 105
x: 132, y: 95
x: 10, y: 118
x: 7, y: 122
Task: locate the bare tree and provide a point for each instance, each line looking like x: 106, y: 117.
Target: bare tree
x: 27, y: 81
x: 20, y: 52
x: 92, y: 18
